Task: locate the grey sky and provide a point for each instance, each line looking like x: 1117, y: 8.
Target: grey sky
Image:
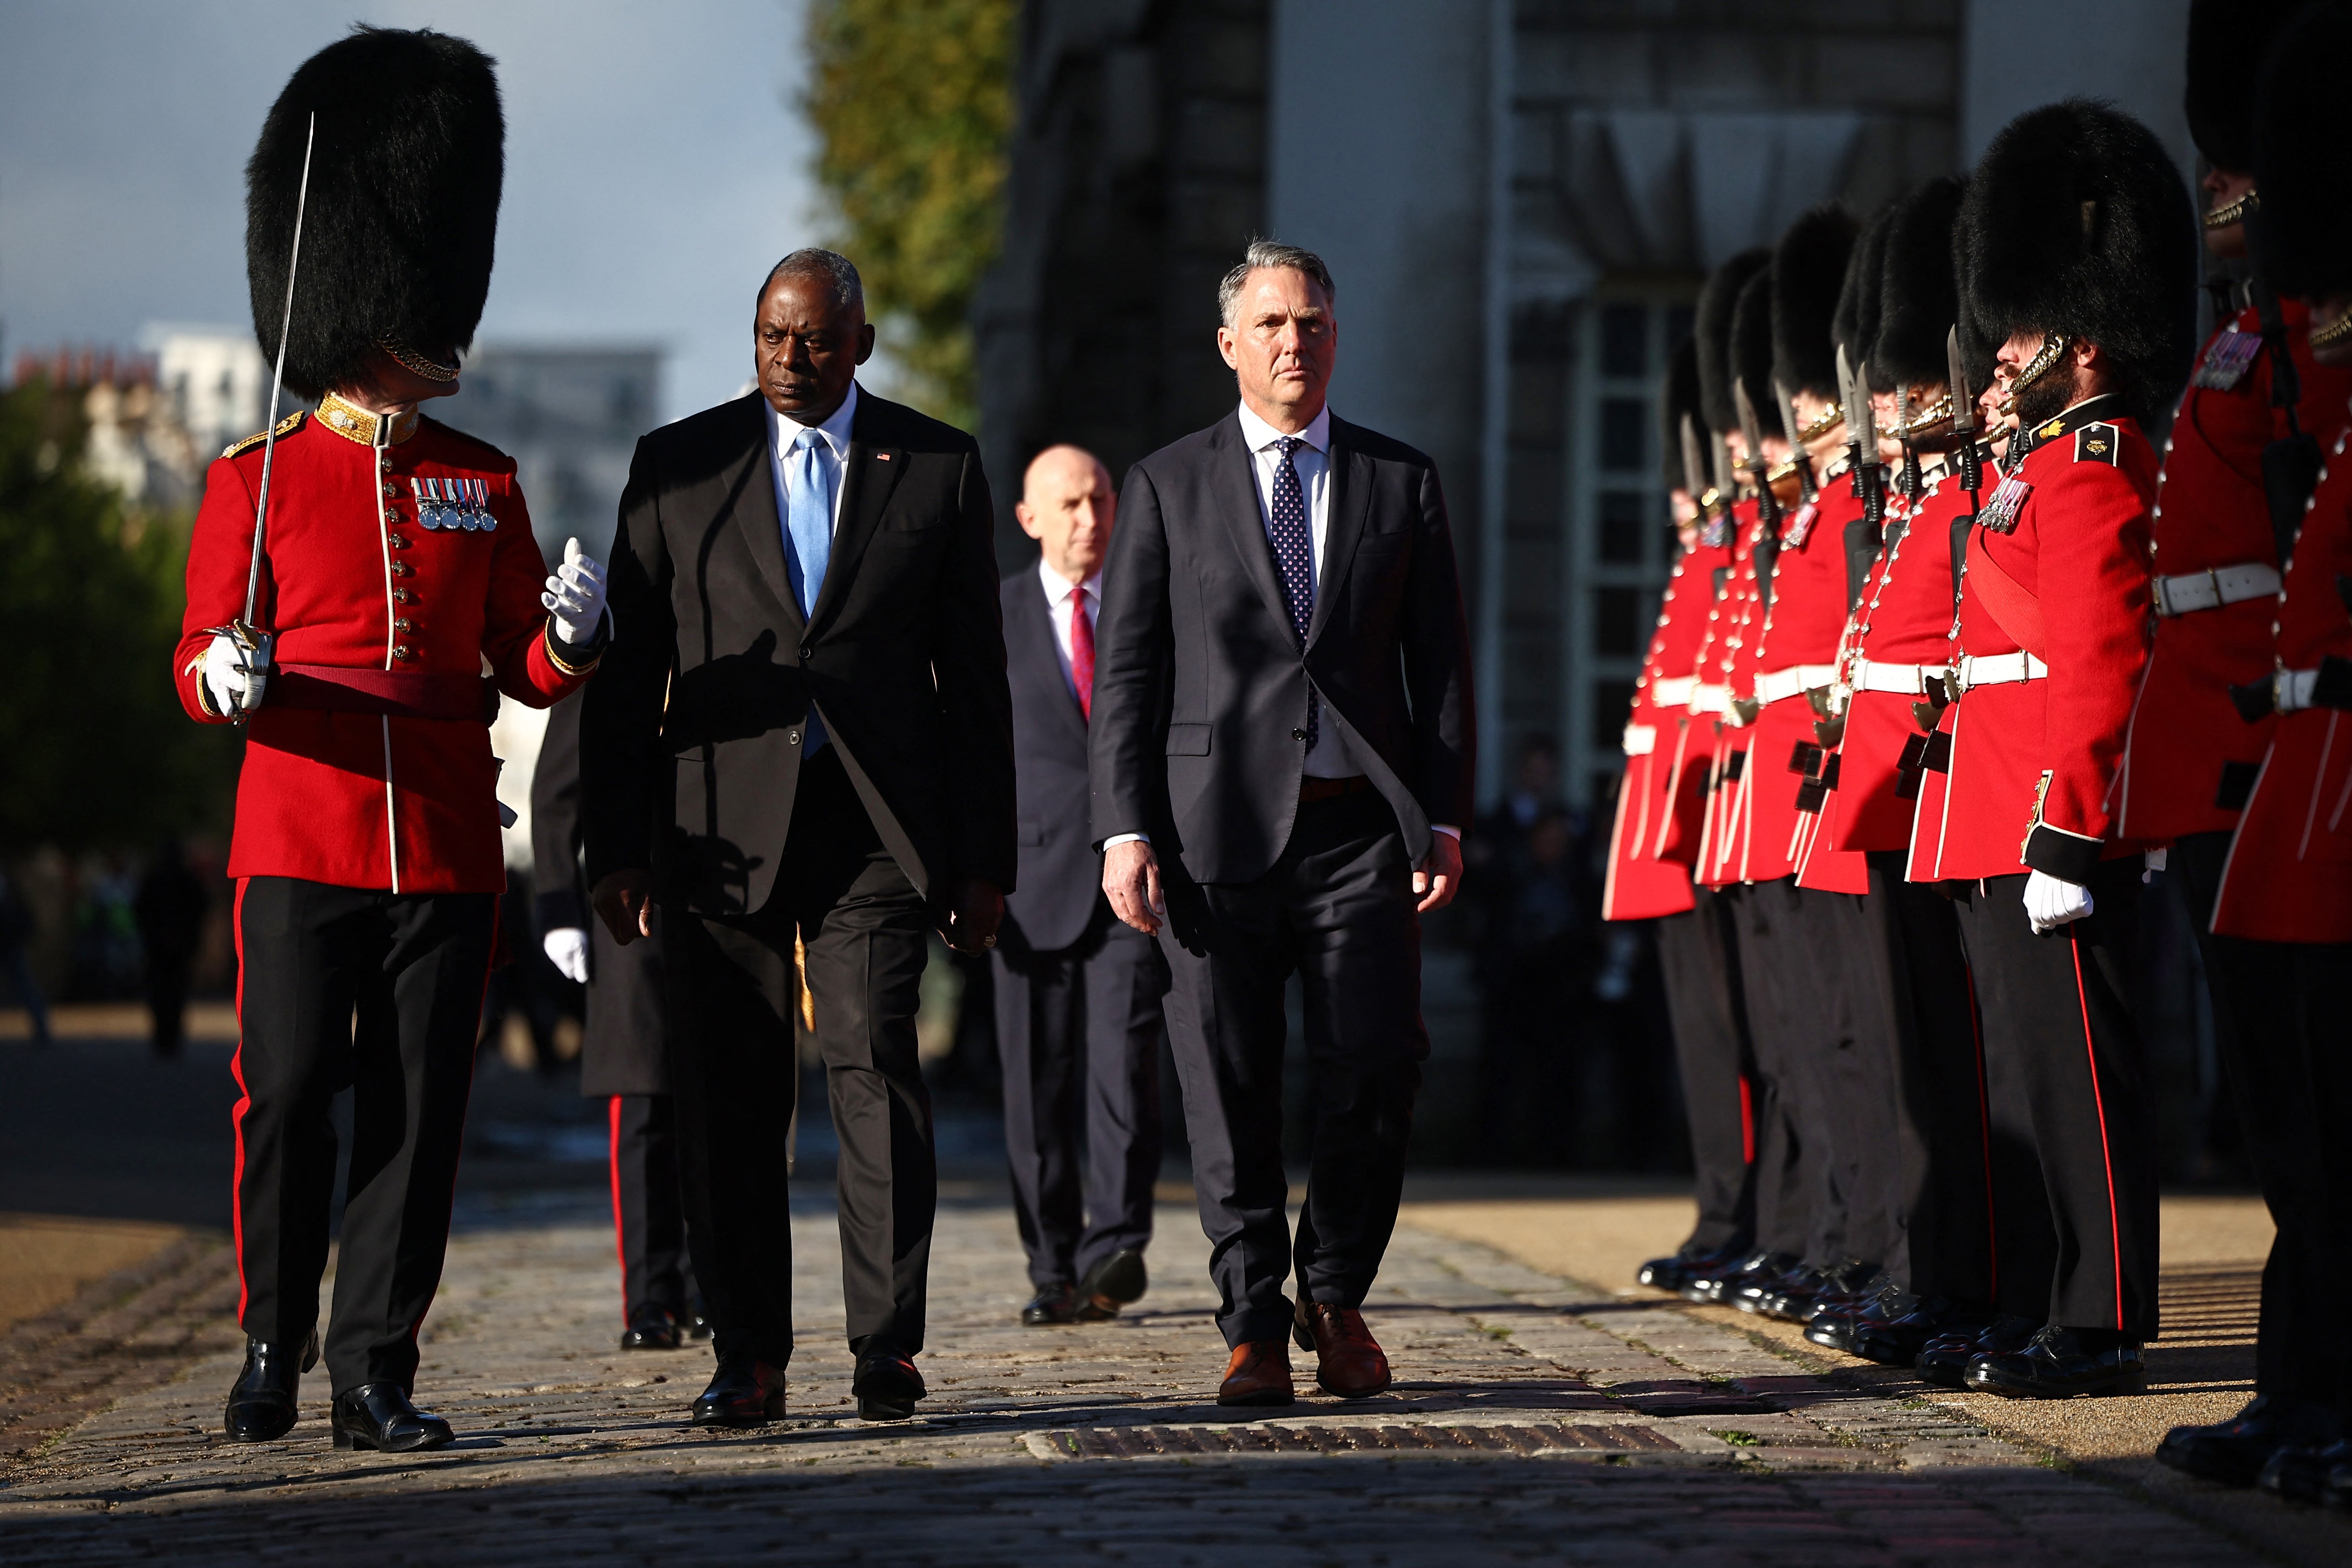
x: 655, y: 166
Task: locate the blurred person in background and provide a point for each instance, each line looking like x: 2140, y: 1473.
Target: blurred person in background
x: 169, y: 905
x: 16, y: 929
x: 1077, y: 992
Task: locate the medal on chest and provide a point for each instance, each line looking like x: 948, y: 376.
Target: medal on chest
x: 1800, y: 526
x: 2000, y: 511
x: 454, y: 504
x: 2226, y: 360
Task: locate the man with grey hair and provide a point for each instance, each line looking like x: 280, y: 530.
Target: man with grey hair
x: 804, y: 741
x: 1281, y: 750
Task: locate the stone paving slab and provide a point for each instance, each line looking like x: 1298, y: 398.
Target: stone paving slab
x: 1673, y: 1440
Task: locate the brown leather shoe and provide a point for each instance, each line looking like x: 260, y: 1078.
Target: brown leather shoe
x: 1259, y: 1373
x: 1353, y: 1367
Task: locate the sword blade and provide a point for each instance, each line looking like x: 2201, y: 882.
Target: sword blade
x: 278, y: 378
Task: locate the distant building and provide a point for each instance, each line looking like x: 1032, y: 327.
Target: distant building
x: 570, y: 417
x: 135, y: 441
x: 213, y: 380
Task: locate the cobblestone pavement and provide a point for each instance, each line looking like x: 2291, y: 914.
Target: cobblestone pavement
x: 1532, y: 1421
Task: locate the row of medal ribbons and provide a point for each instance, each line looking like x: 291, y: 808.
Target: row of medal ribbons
x: 455, y: 503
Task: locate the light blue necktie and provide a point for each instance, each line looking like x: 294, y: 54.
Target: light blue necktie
x: 808, y: 542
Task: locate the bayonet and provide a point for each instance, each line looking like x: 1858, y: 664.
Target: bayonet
x: 1726, y: 489
x: 1752, y: 430
x: 1964, y: 415
x: 1909, y: 482
x: 1790, y: 428
x: 1694, y: 468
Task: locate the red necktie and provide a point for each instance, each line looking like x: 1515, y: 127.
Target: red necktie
x: 1082, y: 652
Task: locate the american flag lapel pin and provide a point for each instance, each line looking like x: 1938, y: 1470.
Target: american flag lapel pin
x: 881, y: 457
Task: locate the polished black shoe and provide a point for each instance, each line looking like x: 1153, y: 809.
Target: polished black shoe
x: 744, y: 1391
x: 1111, y: 1284
x: 378, y: 1415
x: 1756, y: 1269
x: 261, y: 1401
x: 886, y: 1385
x: 1944, y: 1360
x: 1055, y: 1303
x: 697, y: 1328
x: 1837, y: 1320
x: 1896, y: 1337
x: 1854, y: 1288
x: 1801, y: 1283
x: 1690, y: 1262
x: 2060, y: 1363
x: 2300, y: 1472
x: 653, y: 1329
x: 2234, y: 1452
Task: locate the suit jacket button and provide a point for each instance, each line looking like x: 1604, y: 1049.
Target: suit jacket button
x: 1298, y: 734
x: 805, y: 652
x: 792, y: 737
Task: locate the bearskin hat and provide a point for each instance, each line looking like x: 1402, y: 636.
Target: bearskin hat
x: 2304, y: 222
x: 1716, y: 302
x: 2227, y: 42
x: 1752, y: 350
x: 1919, y: 293
x: 1807, y: 275
x: 401, y: 220
x: 2076, y: 222
x: 1855, y: 324
x: 1681, y: 402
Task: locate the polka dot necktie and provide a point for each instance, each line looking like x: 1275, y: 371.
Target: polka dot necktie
x: 1287, y: 531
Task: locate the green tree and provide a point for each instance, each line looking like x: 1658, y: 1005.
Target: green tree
x: 95, y: 750
x: 913, y: 100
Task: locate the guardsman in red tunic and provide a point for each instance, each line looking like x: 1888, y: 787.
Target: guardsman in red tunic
x: 397, y: 563
x: 2282, y: 913
x: 1696, y: 943
x: 2078, y: 248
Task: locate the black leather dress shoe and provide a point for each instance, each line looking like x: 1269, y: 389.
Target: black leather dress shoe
x: 1801, y: 1283
x: 378, y: 1415
x: 261, y: 1401
x: 886, y: 1385
x: 697, y: 1327
x: 654, y: 1330
x: 1690, y: 1261
x: 1756, y: 1269
x: 2235, y: 1452
x: 1055, y: 1303
x: 1894, y: 1338
x: 2060, y: 1363
x: 1944, y: 1360
x: 744, y: 1391
x: 1112, y: 1284
x: 1836, y: 1319
x: 2300, y: 1472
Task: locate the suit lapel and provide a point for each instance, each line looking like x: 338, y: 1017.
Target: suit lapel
x: 867, y: 478
x: 753, y: 487
x: 1350, y: 477
x: 1232, y: 486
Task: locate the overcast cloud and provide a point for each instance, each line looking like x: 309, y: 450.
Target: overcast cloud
x: 655, y: 166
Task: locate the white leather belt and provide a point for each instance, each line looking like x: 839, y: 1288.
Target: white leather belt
x: 1903, y: 679
x: 2000, y: 669
x: 1705, y: 699
x: 1771, y: 685
x: 2193, y: 591
x: 2292, y: 689
x: 1641, y: 740
x: 1674, y: 691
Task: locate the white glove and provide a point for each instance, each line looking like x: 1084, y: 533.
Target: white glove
x: 567, y: 949
x: 2050, y: 903
x: 575, y: 595
x: 236, y: 688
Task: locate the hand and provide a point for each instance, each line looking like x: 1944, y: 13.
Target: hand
x: 2050, y: 903
x: 575, y: 595
x: 974, y: 911
x: 234, y: 685
x: 1131, y: 882
x: 624, y: 902
x: 567, y: 949
x: 1438, y: 877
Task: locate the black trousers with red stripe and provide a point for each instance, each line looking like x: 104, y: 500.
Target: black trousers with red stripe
x: 411, y: 969
x: 1698, y: 951
x: 649, y: 1208
x: 2060, y: 1044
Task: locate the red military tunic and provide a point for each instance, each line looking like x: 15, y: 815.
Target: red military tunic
x: 1726, y: 674
x: 1694, y: 706
x: 2062, y: 598
x: 2289, y: 874
x: 2189, y: 757
x: 1639, y: 885
x: 352, y: 582
x: 1797, y: 652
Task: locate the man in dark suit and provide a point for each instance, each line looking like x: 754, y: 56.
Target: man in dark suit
x: 624, y: 1053
x: 808, y: 736
x: 1077, y: 993
x: 1282, y: 747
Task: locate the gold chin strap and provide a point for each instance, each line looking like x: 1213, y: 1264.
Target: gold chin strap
x: 1829, y: 421
x: 430, y: 369
x: 2235, y: 212
x: 2335, y: 332
x: 1925, y: 420
x: 2053, y: 349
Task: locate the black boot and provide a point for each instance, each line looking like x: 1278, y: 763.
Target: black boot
x: 261, y: 1401
x: 2235, y: 1452
x: 378, y: 1415
x: 1688, y: 1262
x: 1944, y: 1361
x: 1722, y: 1284
x: 2061, y: 1363
x: 744, y: 1391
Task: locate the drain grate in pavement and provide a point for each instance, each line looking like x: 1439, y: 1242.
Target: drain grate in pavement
x: 1540, y: 1438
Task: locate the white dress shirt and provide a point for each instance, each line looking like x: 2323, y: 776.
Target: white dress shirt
x: 1058, y: 590
x: 832, y: 454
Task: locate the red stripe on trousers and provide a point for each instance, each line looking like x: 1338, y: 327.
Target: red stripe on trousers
x: 1747, y: 1121
x: 613, y: 1164
x: 2098, y: 1100
x: 236, y: 1116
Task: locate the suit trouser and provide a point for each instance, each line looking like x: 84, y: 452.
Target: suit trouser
x: 1790, y: 1015
x: 412, y: 968
x: 732, y: 997
x: 1698, y: 955
x: 1336, y: 909
x: 648, y: 1208
x: 1078, y: 1031
x: 2278, y: 1018
x: 2060, y: 1042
